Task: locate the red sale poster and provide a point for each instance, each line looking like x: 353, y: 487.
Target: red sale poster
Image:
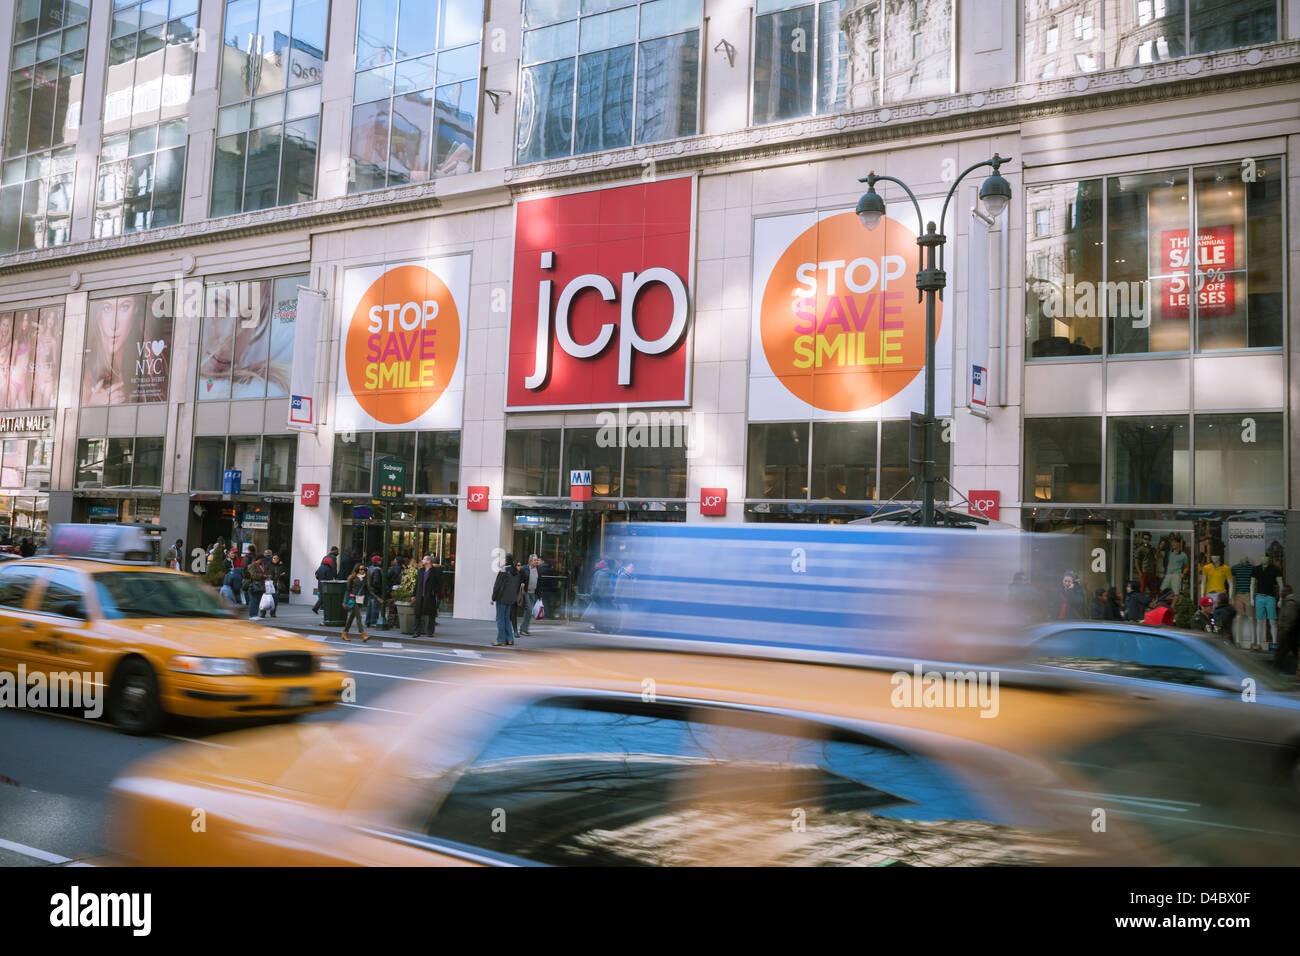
x: 1215, y: 261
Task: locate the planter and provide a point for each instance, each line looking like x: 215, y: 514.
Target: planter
x: 406, y: 617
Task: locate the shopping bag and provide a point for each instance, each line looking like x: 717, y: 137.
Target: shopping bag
x: 270, y: 587
x: 267, y: 603
x: 538, y: 611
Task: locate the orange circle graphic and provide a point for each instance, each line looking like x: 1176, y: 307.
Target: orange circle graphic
x: 402, y: 345
x: 840, y: 324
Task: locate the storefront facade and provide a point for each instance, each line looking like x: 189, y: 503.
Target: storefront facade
x: 622, y: 242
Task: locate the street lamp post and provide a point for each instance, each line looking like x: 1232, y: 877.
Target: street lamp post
x: 995, y: 193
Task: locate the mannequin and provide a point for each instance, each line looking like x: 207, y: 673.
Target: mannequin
x: 1264, y: 592
x: 1214, y: 576
x: 1241, y: 593
x: 1144, y: 560
x: 1176, y: 562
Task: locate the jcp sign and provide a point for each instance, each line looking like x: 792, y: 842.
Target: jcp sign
x: 601, y: 309
x: 713, y: 501
x: 477, y: 499
x: 986, y: 504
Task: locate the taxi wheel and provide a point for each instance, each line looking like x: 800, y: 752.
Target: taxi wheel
x: 134, y: 702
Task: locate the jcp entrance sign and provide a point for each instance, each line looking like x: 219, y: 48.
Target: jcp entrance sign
x: 403, y: 342
x: 837, y: 331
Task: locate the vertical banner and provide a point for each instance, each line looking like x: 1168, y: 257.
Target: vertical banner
x: 306, y: 347
x: 977, y: 314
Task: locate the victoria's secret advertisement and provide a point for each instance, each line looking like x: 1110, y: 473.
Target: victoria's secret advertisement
x: 247, y: 341
x: 30, y: 340
x: 128, y: 350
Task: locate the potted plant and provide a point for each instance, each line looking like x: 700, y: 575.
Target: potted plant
x: 402, y: 595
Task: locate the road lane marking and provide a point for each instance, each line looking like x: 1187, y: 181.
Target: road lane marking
x: 23, y: 850
x: 195, y: 740
x: 382, y: 710
x: 421, y: 680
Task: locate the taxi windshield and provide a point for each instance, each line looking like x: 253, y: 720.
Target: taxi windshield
x: 150, y: 594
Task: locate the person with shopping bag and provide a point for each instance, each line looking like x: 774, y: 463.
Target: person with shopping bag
x: 355, y: 596
x: 254, y: 587
x: 532, y: 576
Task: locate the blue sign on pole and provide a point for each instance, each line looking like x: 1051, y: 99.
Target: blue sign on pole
x: 230, y: 481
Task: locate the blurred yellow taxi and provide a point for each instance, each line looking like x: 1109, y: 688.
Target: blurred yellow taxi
x: 591, y: 756
x: 149, y: 641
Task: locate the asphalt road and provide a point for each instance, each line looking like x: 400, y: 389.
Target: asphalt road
x: 55, y: 769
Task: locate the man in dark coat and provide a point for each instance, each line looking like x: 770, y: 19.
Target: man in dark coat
x: 505, y: 592
x: 1135, y: 602
x: 428, y: 591
x: 324, y: 573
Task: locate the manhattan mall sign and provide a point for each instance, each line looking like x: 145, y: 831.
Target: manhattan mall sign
x: 601, y: 309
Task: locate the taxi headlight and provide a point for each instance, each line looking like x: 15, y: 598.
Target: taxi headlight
x: 211, y: 666
x: 329, y: 662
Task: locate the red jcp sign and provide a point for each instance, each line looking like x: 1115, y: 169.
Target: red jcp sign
x: 713, y: 501
x: 601, y: 302
x: 986, y: 504
x: 311, y: 495
x: 478, y: 498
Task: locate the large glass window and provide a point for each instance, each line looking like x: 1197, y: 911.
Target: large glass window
x: 353, y: 457
x: 279, y: 462
x: 141, y: 176
x: 655, y: 468
x: 1061, y: 39
x: 119, y: 462
x: 30, y: 344
x: 268, y: 129
x: 1062, y: 460
x: 844, y: 460
x: 415, y: 98
x: 246, y: 348
x: 600, y: 74
x: 895, y: 461
x: 590, y: 450
x: 151, y: 54
x: 437, y: 457
x: 432, y: 460
x: 533, y: 462
x: 777, y: 464
x: 1064, y: 258
x: 265, y: 463
x: 1240, y: 460
x: 46, y: 66
x: 1157, y: 258
x: 1147, y: 460
x: 209, y: 462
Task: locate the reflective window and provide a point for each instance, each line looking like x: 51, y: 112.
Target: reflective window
x: 1063, y: 269
x: 119, y: 463
x: 777, y: 461
x: 1135, y: 654
x: 209, y: 463
x: 1148, y: 216
x: 16, y: 584
x: 533, y: 462
x: 1062, y: 460
x: 895, y: 442
x: 654, y: 462
x: 268, y: 129
x: 416, y: 91
x: 591, y: 449
x: 437, y: 463
x: 1147, y: 460
x: 353, y: 456
x: 151, y: 55
x: 596, y: 78
x: 141, y: 175
x: 1240, y: 460
x: 62, y: 595
x: 844, y: 460
x: 43, y: 112
x: 242, y: 456
x: 279, y: 463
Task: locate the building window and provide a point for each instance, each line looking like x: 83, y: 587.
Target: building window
x: 656, y: 467
x: 646, y: 459
x: 585, y: 450
x: 30, y: 344
x: 437, y: 470
x: 415, y: 98
x: 118, y: 462
x: 777, y: 463
x: 596, y: 78
x: 46, y: 66
x: 141, y: 176
x: 1042, y: 223
x: 1147, y: 460
x: 432, y: 460
x: 353, y: 456
x: 268, y: 129
x: 533, y: 462
x: 1062, y: 460
x: 127, y: 357
x: 1153, y: 286
x: 844, y: 460
x: 1143, y: 31
x: 265, y: 463
x: 895, y: 444
x: 1240, y: 460
x: 246, y: 347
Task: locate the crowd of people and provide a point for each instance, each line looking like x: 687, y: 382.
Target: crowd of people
x: 370, y: 594
x: 517, y: 598
x: 249, y: 580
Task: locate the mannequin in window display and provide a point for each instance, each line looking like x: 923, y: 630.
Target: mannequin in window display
x: 1241, y: 588
x: 1175, y: 566
x: 1214, y: 576
x: 1144, y: 561
x: 1265, y: 582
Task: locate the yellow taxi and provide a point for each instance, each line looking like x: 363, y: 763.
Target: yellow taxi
x: 146, y: 641
x: 656, y: 756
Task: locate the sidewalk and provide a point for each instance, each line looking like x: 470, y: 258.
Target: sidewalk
x: 451, y: 632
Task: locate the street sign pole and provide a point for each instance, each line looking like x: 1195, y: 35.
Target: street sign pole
x: 388, y: 524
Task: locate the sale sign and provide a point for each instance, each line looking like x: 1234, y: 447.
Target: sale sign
x: 404, y: 334
x: 600, y: 311
x: 1215, y: 263
x: 837, y: 331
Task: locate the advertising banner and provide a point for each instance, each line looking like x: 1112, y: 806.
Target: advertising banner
x: 128, y: 350
x: 306, y: 341
x: 977, y: 313
x: 837, y: 332
x: 30, y: 341
x: 403, y: 342
x: 601, y: 306
x: 248, y: 337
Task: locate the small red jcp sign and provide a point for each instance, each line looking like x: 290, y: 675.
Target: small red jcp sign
x: 311, y: 495
x: 985, y: 504
x: 478, y: 497
x: 713, y: 501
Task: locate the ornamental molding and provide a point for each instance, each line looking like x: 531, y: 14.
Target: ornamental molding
x: 959, y: 113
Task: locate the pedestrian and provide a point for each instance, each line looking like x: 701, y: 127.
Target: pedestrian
x: 505, y: 591
x: 375, y: 587
x: 175, y: 554
x: 1162, y: 615
x: 1136, y: 601
x: 277, y: 573
x: 323, y: 573
x: 426, y: 595
x: 1203, y: 619
x: 354, y: 602
x: 1288, y: 616
x: 345, y: 565
x: 27, y: 548
x: 624, y: 584
x: 600, y: 609
x: 1071, y: 603
x: 1111, y: 608
x: 232, y: 585
x: 532, y: 578
x: 254, y: 587
x: 1224, y: 617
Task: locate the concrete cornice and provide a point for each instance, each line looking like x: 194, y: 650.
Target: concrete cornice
x: 958, y: 114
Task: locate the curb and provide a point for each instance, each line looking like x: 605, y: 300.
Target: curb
x: 389, y: 636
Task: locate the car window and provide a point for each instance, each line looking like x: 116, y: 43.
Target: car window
x: 16, y: 583
x: 154, y: 594
x: 600, y: 782
x: 63, y: 595
x: 1136, y: 654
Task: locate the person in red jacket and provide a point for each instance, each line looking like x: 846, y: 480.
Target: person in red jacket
x: 1162, y: 615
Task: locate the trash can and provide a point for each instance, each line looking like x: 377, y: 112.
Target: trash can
x: 331, y: 599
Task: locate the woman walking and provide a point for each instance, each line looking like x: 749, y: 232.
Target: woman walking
x: 354, y: 602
